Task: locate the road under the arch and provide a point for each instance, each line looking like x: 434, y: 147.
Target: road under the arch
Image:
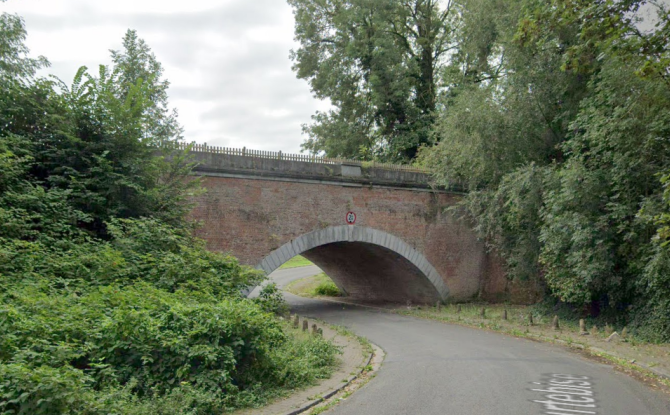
x: 373, y: 273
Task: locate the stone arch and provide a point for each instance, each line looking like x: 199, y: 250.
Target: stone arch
x: 424, y: 274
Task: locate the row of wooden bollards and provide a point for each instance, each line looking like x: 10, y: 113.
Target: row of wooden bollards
x: 555, y: 324
x: 316, y: 331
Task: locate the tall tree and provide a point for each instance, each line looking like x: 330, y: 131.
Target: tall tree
x: 14, y: 60
x: 558, y: 125
x: 136, y: 63
x: 379, y: 64
x: 96, y: 138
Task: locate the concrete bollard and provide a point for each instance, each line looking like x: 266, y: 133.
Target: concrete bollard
x: 296, y: 322
x: 305, y: 325
x: 554, y: 323
x: 483, y: 312
x: 504, y: 315
x: 582, y: 327
x: 314, y: 330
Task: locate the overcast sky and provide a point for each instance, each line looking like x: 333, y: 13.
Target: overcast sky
x: 227, y: 60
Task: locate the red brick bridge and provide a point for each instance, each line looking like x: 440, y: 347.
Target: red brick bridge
x: 405, y: 245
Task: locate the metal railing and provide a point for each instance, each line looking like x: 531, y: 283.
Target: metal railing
x: 278, y: 155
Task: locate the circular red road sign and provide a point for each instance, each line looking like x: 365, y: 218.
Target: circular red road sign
x: 350, y: 218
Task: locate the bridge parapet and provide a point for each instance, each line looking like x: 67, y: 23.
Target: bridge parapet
x: 235, y: 162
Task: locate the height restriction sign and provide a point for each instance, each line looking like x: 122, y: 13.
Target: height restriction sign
x: 351, y: 218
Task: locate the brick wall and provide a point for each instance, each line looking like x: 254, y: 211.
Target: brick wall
x: 250, y: 218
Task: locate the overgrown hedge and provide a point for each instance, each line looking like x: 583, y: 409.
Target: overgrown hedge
x: 108, y: 303
x: 60, y: 351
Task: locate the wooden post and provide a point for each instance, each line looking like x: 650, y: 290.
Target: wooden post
x: 296, y: 321
x: 608, y: 329
x: 554, y: 323
x: 582, y: 327
x: 458, y: 310
x: 504, y: 316
x: 305, y: 325
x: 483, y: 312
x: 314, y: 330
x: 530, y: 319
x: 438, y: 306
x: 320, y: 331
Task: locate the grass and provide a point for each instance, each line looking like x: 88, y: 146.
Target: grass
x: 309, y: 360
x: 316, y: 286
x: 365, y: 343
x: 295, y: 262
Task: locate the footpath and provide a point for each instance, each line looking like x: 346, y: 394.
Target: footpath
x: 354, y: 359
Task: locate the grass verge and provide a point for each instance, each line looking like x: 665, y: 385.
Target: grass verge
x: 296, y: 262
x: 314, y: 286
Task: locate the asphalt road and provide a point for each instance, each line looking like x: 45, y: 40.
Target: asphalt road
x: 435, y: 368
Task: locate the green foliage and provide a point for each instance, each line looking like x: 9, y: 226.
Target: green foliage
x: 14, y: 61
x: 556, y: 120
x: 136, y: 64
x: 508, y: 218
x: 108, y: 303
x: 138, y: 332
x: 272, y: 300
x: 314, y: 286
x: 295, y: 262
x: 378, y: 63
x: 327, y: 288
x: 62, y: 351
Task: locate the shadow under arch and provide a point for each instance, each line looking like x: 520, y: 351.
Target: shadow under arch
x: 365, y: 263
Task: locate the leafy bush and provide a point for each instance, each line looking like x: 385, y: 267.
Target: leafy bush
x: 272, y: 300
x: 327, y: 288
x: 42, y: 390
x: 108, y: 303
x: 150, y: 339
x: 140, y: 249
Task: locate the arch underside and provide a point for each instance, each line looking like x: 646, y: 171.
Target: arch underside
x: 366, y: 263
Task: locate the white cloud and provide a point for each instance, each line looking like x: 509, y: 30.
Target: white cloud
x: 227, y: 60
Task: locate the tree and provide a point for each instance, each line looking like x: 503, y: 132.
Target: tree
x: 507, y: 104
x: 379, y: 63
x: 558, y: 124
x: 98, y: 138
x: 137, y: 64
x: 14, y: 62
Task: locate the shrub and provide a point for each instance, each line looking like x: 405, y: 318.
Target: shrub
x: 327, y: 288
x: 108, y: 304
x: 42, y: 390
x: 69, y: 351
x: 271, y: 300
